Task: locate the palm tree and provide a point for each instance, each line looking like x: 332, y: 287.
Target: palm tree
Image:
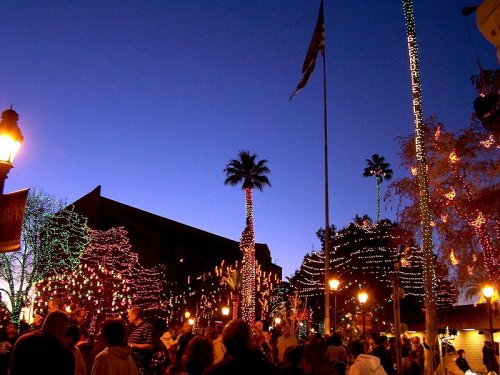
x: 233, y: 281
x: 252, y: 175
x: 381, y: 170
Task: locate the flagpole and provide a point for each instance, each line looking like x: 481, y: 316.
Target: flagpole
x: 327, y: 215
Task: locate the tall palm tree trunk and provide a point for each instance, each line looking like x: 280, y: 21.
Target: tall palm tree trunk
x: 379, y: 182
x: 247, y: 245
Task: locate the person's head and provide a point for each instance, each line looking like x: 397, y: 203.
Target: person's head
x: 415, y: 340
x: 383, y: 340
x: 237, y: 336
x: 209, y: 333
x: 114, y: 332
x: 461, y: 353
x: 56, y: 324
x: 186, y: 327
x: 198, y: 355
x: 135, y: 315
x: 11, y: 330
x: 259, y: 325
x: 79, y: 315
x: 335, y: 340
x: 55, y: 304
x: 37, y: 320
x: 294, y: 356
x: 356, y: 348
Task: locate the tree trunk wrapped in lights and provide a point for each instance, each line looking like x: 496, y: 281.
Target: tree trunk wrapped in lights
x: 423, y: 185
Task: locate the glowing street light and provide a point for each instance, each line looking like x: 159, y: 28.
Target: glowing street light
x: 11, y: 139
x: 334, y: 286
x: 187, y: 314
x: 362, y: 298
x: 488, y: 292
x: 277, y: 321
x: 225, y: 311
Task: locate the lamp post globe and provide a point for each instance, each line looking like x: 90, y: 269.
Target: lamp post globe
x: 11, y: 139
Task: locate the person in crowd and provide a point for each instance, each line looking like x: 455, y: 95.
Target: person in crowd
x: 409, y: 364
x: 315, y: 354
x: 363, y: 364
x: 37, y: 321
x: 462, y: 362
x: 259, y: 325
x: 337, y: 356
x: 284, y: 341
x: 241, y: 357
x: 115, y: 359
x: 209, y: 333
x: 184, y: 338
x: 489, y: 358
x: 7, y: 341
x: 141, y: 340
x: 73, y: 335
x: 261, y: 345
x: 79, y: 318
x: 294, y: 362
x: 218, y: 345
x: 55, y: 304
x: 268, y: 346
x: 198, y: 355
x: 43, y: 351
x: 418, y: 349
x: 381, y: 351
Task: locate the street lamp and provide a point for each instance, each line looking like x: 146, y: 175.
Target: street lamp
x: 362, y: 298
x: 334, y: 286
x: 277, y: 321
x: 10, y: 142
x: 225, y: 313
x: 488, y: 292
x: 187, y: 315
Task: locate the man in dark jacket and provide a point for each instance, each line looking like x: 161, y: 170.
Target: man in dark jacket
x: 44, y: 351
x: 241, y: 357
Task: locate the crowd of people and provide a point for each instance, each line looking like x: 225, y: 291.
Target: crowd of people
x: 60, y: 344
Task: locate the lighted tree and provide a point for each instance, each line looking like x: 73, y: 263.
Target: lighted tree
x: 203, y: 295
x: 250, y: 174
x: 377, y: 167
x: 108, y: 280
x: 464, y: 198
x: 52, y: 239
x: 363, y: 256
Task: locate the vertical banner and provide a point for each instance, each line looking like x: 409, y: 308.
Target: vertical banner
x: 12, y: 207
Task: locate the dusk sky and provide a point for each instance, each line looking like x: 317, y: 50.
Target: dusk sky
x: 151, y: 99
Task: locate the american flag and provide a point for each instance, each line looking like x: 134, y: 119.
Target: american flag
x: 317, y: 44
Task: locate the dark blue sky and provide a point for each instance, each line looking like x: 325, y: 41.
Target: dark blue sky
x: 151, y: 99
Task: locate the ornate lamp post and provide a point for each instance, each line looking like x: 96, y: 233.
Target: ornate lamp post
x: 334, y: 286
x: 10, y: 142
x: 488, y: 292
x: 362, y: 298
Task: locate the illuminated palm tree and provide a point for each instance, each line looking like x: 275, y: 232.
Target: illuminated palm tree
x: 250, y: 174
x: 381, y: 170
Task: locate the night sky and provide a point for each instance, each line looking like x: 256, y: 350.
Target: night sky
x: 151, y: 99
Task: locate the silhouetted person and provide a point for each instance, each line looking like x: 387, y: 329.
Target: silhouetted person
x: 462, y: 362
x: 241, y: 357
x: 43, y: 351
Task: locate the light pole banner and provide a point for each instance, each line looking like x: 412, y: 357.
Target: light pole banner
x: 12, y: 207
